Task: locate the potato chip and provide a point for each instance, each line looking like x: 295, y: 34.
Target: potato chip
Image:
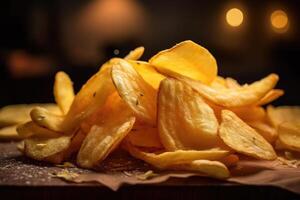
x: 135, y: 91
x: 244, y: 96
x: 21, y: 146
x: 63, y: 91
x: 249, y: 113
x: 18, y: 114
x: 106, y: 134
x: 278, y: 115
x: 243, y: 139
x: 74, y: 147
x: 189, y: 59
x: 230, y: 160
x: 218, y: 83
x: 289, y: 135
x: 9, y: 133
x: 30, y: 129
x: 167, y: 159
x: 270, y: 96
x: 135, y: 54
x: 91, y: 97
x: 232, y: 83
x: 264, y: 129
x: 144, y: 136
x: 209, y: 168
x: 46, y: 119
x: 41, y: 148
x: 148, y: 72
x: 185, y: 121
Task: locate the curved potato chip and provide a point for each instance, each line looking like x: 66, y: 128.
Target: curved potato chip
x: 30, y: 129
x: 218, y: 83
x: 135, y: 91
x: 108, y: 131
x: 244, y: 96
x: 249, y: 113
x: 41, y: 148
x: 167, y: 159
x: 189, y: 59
x: 9, y: 133
x: 63, y: 91
x: 265, y: 130
x: 289, y: 135
x: 230, y: 160
x: 100, y: 141
x: 278, y: 115
x: 46, y: 119
x: 74, y: 147
x: 232, y: 83
x: 20, y: 113
x: 144, y: 136
x: 148, y: 72
x: 243, y: 139
x: 135, y: 54
x: 185, y: 121
x: 209, y: 168
x: 270, y: 96
x: 91, y: 97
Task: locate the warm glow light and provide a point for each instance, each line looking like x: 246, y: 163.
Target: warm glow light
x: 234, y: 17
x: 279, y: 20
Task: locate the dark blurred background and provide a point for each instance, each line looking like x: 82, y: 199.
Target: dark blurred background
x: 249, y: 39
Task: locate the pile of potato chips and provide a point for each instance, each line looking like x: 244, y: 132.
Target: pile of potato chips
x: 173, y: 112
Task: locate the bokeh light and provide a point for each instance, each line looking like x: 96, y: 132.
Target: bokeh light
x: 279, y: 20
x: 234, y: 17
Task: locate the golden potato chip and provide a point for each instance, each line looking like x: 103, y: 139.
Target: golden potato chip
x: 144, y: 136
x: 270, y: 96
x: 244, y: 96
x: 106, y: 134
x: 248, y: 113
x: 232, y: 83
x: 218, y: 83
x: 264, y: 129
x: 91, y: 97
x: 230, y: 160
x: 41, y: 148
x: 209, y: 168
x: 289, y: 135
x: 74, y: 147
x: 167, y: 159
x: 46, y: 119
x: 30, y: 129
x: 148, y: 72
x: 135, y: 54
x: 135, y: 91
x: 189, y: 59
x: 9, y: 133
x: 185, y: 121
x: 242, y: 138
x: 63, y: 91
x: 278, y: 115
x: 21, y: 146
x: 18, y: 114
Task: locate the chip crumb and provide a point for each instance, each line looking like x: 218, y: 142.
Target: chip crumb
x: 290, y: 163
x: 41, y: 145
x: 147, y: 175
x: 127, y: 173
x: 65, y: 174
x: 66, y: 165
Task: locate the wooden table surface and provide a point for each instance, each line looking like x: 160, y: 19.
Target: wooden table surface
x: 22, y: 178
